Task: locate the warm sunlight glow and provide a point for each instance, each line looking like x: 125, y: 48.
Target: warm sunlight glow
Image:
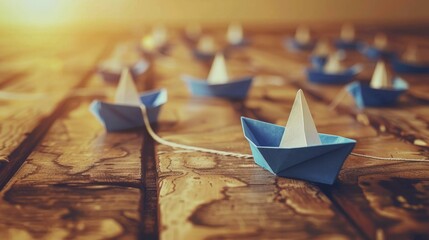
x: 37, y: 12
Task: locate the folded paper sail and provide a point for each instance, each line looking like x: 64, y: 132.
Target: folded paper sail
x: 301, y: 41
x: 205, y: 49
x: 125, y: 112
x: 110, y: 71
x: 347, y: 33
x: 301, y: 130
x: 319, y: 163
x: 159, y: 35
x: 193, y: 32
x: 234, y: 34
x: 320, y: 61
x: 322, y: 48
x: 333, y: 65
x: 347, y: 40
x: 366, y: 96
x: 317, y: 75
x: 410, y: 63
x: 379, y: 49
x: 218, y: 73
x: 381, y: 78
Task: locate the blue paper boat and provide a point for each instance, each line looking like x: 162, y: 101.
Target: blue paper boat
x: 117, y: 117
x: 348, y: 45
x: 318, y: 61
x: 401, y: 66
x: 365, y: 96
x: 320, y: 163
x: 202, y: 55
x: 236, y: 89
x: 294, y: 46
x: 375, y: 53
x: 113, y: 77
x: 315, y: 75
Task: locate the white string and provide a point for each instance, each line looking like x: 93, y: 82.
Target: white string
x: 337, y: 100
x: 183, y: 146
x: 241, y: 155
x: 89, y: 92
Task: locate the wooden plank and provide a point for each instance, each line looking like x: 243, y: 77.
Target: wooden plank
x: 204, y: 196
x: 80, y: 180
x: 387, y: 200
x: 24, y: 122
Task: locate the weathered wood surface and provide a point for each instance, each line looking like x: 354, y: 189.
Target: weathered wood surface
x: 50, y: 77
x: 85, y: 183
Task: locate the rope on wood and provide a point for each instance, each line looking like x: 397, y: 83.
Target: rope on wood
x: 162, y: 141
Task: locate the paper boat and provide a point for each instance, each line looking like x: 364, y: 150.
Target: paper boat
x: 318, y: 162
x: 301, y: 42
x: 315, y: 75
x: 112, y: 75
x: 218, y: 83
x: 365, y: 96
x: 401, y: 66
x: 125, y: 113
x: 332, y: 72
x: 379, y: 49
x: 410, y: 63
x: 235, y: 35
x: 347, y: 40
x: 205, y: 49
x: 383, y: 90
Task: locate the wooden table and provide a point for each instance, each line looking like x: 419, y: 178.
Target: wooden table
x: 63, y: 177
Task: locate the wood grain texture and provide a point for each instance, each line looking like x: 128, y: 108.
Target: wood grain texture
x: 387, y: 200
x: 53, y: 76
x: 204, y: 196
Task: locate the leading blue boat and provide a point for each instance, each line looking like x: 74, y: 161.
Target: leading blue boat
x: 297, y: 151
x: 125, y: 113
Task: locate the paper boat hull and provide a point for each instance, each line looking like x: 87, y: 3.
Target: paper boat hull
x: 320, y: 77
x: 404, y: 67
x: 318, y: 61
x: 237, y: 89
x: 347, y: 45
x: 366, y: 96
x: 294, y: 46
x: 202, y: 55
x: 112, y: 77
x: 319, y: 164
x: 375, y: 53
x: 116, y: 117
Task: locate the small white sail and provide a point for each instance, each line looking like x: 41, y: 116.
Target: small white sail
x: 206, y: 44
x: 159, y: 35
x: 333, y: 65
x: 380, y: 77
x: 218, y: 73
x: 347, y: 33
x: 234, y: 34
x: 411, y: 54
x: 380, y: 41
x: 300, y: 128
x: 126, y: 92
x: 302, y: 35
x: 322, y: 48
x: 193, y: 31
